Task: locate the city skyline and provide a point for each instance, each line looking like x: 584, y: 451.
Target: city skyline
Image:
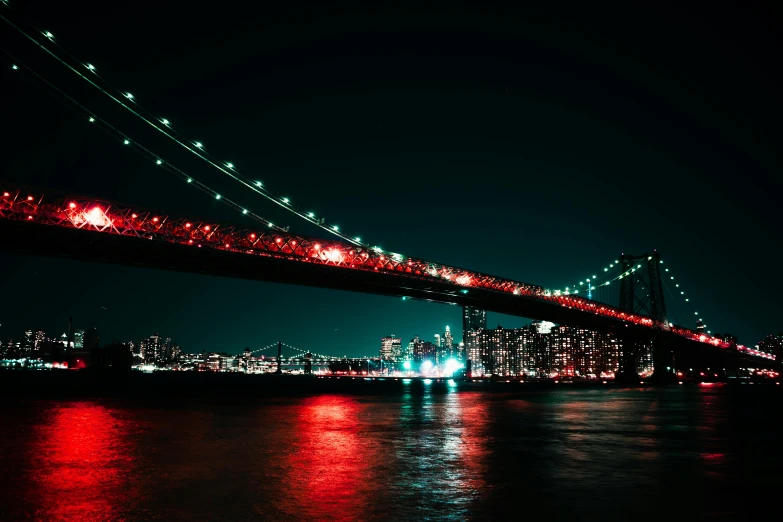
x: 550, y: 199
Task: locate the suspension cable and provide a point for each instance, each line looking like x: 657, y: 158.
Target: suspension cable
x: 163, y: 126
x: 145, y: 152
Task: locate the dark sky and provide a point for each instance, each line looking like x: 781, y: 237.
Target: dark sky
x: 528, y: 144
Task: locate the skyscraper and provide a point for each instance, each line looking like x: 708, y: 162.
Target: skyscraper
x: 153, y: 349
x: 391, y: 348
x: 473, y: 319
x: 445, y: 347
x: 38, y: 337
x: 424, y: 351
x: 408, y: 355
x: 27, y: 343
x: 473, y: 351
x: 78, y: 339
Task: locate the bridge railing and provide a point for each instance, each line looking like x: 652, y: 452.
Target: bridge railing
x: 102, y: 216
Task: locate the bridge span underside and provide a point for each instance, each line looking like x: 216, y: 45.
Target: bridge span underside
x: 85, y: 245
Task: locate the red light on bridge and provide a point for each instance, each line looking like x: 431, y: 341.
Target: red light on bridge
x: 188, y: 225
x: 29, y: 217
x: 206, y: 227
x: 252, y: 236
x: 29, y: 198
x: 317, y: 246
x: 155, y: 220
x: 278, y: 240
x: 72, y: 205
x: 6, y: 194
x: 227, y: 245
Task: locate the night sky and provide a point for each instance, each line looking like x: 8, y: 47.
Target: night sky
x: 532, y: 145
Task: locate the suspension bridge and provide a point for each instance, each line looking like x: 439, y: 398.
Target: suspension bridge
x: 626, y: 297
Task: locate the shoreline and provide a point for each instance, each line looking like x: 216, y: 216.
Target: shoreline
x: 239, y: 386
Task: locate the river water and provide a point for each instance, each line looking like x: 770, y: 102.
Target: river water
x: 419, y: 452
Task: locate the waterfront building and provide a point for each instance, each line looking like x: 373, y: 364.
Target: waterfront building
x: 391, y: 348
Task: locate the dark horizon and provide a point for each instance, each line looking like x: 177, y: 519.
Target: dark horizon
x: 503, y: 142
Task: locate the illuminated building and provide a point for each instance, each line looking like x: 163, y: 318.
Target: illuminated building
x: 78, y: 339
x: 473, y: 319
x: 38, y: 337
x: 498, y: 351
x: 644, y: 360
x: 473, y: 322
x: 408, y: 355
x: 772, y: 344
x: 542, y: 327
x: 472, y: 342
x: 424, y: 351
x: 541, y: 350
x: 27, y: 344
x: 391, y: 348
x: 152, y: 349
x: 445, y: 347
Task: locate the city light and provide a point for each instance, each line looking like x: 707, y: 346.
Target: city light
x: 452, y: 365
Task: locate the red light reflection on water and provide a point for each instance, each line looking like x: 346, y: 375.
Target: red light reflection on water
x: 328, y: 475
x: 79, y: 463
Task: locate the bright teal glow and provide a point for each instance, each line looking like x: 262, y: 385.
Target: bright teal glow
x: 464, y: 291
x: 244, y: 211
x: 190, y: 180
x: 335, y: 228
x: 218, y: 196
x: 129, y: 95
x: 198, y: 145
x: 357, y: 239
x: 90, y: 67
x: 158, y: 162
x: 258, y: 184
x: 310, y: 215
x: 92, y: 119
x: 14, y: 67
x: 48, y: 35
x: 126, y: 142
x: 406, y: 365
x: 451, y: 366
x: 166, y: 122
x: 285, y: 200
x: 230, y: 165
x: 270, y: 225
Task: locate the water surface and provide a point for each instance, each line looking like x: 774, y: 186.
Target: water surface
x: 422, y: 452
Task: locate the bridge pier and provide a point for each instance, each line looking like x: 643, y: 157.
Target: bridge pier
x: 627, y: 372
x: 663, y: 362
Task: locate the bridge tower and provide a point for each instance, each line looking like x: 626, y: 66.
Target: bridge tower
x: 641, y: 292
x: 279, y: 358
